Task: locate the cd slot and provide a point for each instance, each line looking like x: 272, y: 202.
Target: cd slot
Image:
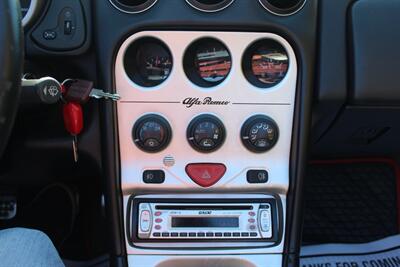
x: 204, y: 207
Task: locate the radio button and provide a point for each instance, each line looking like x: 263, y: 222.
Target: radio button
x: 183, y: 234
x: 218, y: 234
x: 209, y: 234
x: 157, y: 234
x: 174, y: 234
x: 253, y: 234
x: 227, y: 234
x: 252, y: 213
x: 192, y: 234
x: 201, y: 234
x: 145, y: 221
x: 165, y: 234
x: 236, y: 234
x: 245, y: 234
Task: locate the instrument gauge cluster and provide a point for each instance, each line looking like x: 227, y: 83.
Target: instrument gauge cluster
x: 30, y: 10
x: 207, y: 62
x: 148, y: 62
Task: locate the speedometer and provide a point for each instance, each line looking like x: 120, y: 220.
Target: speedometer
x: 30, y: 9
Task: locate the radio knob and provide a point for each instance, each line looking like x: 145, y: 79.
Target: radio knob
x: 206, y: 133
x: 259, y: 133
x: 152, y: 133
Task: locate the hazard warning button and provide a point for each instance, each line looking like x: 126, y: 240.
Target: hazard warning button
x: 205, y: 174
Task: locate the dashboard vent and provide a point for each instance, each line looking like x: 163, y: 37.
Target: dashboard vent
x: 209, y: 5
x: 283, y: 7
x: 133, y: 6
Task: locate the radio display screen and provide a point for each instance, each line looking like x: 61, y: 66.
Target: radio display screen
x: 205, y: 222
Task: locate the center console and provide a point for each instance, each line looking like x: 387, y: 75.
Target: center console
x: 205, y: 128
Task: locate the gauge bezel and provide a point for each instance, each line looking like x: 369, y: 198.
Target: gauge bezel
x: 158, y: 119
x: 192, y: 127
x: 133, y: 9
x: 190, y: 67
x: 131, y: 65
x: 247, y: 60
x: 247, y: 126
x: 282, y: 12
x: 210, y: 8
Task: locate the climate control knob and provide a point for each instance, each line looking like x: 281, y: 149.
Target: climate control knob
x: 259, y: 133
x: 206, y: 133
x: 151, y: 133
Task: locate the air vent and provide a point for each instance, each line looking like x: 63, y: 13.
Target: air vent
x: 210, y: 5
x: 283, y: 7
x: 133, y: 6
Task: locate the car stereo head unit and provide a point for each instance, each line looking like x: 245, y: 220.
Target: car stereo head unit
x: 199, y: 220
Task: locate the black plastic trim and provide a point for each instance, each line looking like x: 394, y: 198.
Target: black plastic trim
x: 276, y: 214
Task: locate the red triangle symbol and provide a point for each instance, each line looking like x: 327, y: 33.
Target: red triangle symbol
x: 205, y: 174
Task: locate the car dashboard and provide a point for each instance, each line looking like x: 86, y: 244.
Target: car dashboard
x: 202, y: 159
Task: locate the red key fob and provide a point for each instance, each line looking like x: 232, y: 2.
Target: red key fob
x: 73, y: 118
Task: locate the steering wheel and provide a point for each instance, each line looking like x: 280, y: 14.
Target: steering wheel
x: 11, y: 63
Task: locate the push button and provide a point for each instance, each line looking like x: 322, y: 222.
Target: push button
x: 49, y: 35
x: 153, y: 177
x: 257, y: 176
x: 205, y: 174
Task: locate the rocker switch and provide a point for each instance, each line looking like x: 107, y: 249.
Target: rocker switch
x: 145, y: 221
x: 265, y: 222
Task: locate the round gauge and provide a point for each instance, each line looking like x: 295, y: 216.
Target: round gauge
x: 259, y: 133
x: 148, y: 62
x: 283, y: 7
x: 206, y: 133
x: 30, y: 11
x: 152, y: 133
x: 207, y: 62
x: 210, y: 5
x: 265, y: 63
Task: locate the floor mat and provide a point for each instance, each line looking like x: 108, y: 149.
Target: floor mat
x: 383, y: 253
x: 350, y: 201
